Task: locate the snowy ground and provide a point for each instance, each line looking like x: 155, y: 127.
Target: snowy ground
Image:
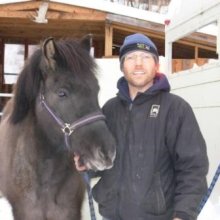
x: 5, y: 210
x: 6, y: 214
x: 210, y: 212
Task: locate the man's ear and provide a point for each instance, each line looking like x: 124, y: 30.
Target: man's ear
x: 157, y: 67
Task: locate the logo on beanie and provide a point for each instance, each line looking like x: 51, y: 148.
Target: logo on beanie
x: 143, y: 46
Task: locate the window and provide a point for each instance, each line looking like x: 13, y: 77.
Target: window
x: 13, y: 62
x: 31, y: 49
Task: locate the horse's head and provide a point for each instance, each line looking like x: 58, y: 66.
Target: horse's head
x: 59, y: 89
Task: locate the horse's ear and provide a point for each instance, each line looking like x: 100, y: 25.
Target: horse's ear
x: 49, y: 51
x: 86, y: 42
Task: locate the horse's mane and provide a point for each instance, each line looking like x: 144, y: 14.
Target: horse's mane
x: 71, y: 55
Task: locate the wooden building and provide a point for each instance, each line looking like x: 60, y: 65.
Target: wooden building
x: 29, y: 22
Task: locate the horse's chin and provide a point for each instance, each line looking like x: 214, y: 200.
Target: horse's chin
x: 97, y: 161
x: 96, y: 166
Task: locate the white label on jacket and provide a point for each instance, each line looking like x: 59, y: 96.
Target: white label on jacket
x: 154, y: 111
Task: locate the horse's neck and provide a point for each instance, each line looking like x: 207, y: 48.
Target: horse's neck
x: 7, y: 110
x: 52, y: 170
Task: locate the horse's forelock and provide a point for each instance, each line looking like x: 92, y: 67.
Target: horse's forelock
x: 27, y: 88
x: 76, y: 58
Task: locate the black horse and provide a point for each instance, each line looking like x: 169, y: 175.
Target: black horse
x: 53, y: 115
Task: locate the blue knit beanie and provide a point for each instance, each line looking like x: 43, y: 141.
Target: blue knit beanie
x: 137, y: 42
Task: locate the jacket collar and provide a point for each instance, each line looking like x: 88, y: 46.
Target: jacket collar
x: 160, y: 84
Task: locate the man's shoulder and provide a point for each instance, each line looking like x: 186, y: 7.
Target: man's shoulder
x: 111, y: 102
x: 174, y: 98
x: 111, y: 107
x: 176, y: 103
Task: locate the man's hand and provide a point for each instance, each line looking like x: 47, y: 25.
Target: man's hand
x: 79, y: 167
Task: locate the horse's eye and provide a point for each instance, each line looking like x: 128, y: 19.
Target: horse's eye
x: 62, y: 93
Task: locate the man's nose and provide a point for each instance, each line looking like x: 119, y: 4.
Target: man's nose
x: 138, y: 60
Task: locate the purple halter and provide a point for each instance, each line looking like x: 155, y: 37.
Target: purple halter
x: 68, y: 128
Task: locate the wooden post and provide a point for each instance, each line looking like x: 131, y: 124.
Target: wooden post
x: 108, y: 40
x: 26, y: 49
x: 1, y: 63
x: 196, y: 54
x: 168, y: 54
x: 150, y: 3
x: 218, y: 39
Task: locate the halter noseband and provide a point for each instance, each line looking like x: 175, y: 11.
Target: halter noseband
x: 68, y: 128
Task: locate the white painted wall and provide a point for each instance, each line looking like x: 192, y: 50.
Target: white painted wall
x: 180, y: 11
x: 108, y: 75
x: 201, y: 88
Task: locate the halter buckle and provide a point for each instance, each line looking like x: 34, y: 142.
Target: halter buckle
x: 67, y: 129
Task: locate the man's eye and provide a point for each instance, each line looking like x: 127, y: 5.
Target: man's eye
x: 130, y: 57
x: 146, y: 57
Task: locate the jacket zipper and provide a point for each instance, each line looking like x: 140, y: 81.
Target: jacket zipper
x: 119, y: 185
x: 130, y: 107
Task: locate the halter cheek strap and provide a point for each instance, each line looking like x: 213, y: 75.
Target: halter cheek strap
x: 69, y: 128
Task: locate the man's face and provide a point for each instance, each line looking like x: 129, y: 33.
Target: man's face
x: 139, y: 69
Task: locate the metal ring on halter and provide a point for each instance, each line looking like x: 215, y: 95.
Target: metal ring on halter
x: 67, y: 129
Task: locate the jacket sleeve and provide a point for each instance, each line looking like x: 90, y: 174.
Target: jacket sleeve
x: 188, y: 150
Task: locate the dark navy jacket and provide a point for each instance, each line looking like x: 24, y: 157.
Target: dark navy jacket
x: 161, y: 162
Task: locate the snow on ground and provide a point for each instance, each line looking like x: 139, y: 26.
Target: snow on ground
x: 210, y: 211
x: 5, y: 210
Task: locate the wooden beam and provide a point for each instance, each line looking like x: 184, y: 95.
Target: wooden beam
x: 42, y: 31
x: 95, y: 16
x: 71, y: 8
x: 65, y: 25
x: 201, y: 38
x: 44, y: 34
x: 148, y: 32
x: 134, y: 22
x: 108, y: 40
x: 185, y: 42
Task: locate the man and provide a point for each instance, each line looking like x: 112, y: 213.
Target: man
x: 161, y: 162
